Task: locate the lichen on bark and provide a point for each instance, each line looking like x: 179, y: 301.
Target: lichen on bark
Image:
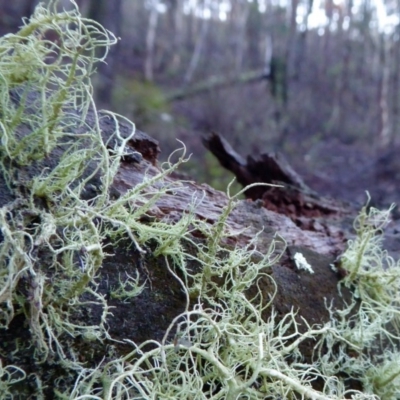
x: 120, y: 282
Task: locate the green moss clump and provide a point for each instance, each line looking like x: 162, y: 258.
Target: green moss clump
x: 142, y: 100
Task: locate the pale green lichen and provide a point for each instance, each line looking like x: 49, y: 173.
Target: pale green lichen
x: 52, y: 82
x: 223, y: 347
x: 9, y: 376
x: 128, y: 288
x: 227, y: 351
x: 363, y: 342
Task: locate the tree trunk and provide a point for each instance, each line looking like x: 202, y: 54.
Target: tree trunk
x: 199, y: 46
x: 109, y: 14
x: 241, y: 16
x: 396, y: 90
x: 385, y: 130
x: 150, y: 41
x: 178, y: 20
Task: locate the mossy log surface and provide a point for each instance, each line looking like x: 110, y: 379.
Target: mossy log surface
x: 148, y: 315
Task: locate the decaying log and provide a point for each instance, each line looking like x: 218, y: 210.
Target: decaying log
x: 297, y: 215
x: 293, y: 199
x: 268, y: 168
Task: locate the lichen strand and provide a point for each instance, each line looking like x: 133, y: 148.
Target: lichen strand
x: 53, y: 233
x: 59, y: 338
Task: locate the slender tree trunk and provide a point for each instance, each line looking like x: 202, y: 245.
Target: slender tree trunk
x: 341, y: 82
x: 177, y: 16
x: 327, y: 38
x: 241, y: 21
x: 150, y: 41
x: 301, y: 48
x: 107, y: 13
x: 283, y: 71
x: 384, y: 126
x: 198, y: 47
x: 291, y: 41
x: 396, y: 91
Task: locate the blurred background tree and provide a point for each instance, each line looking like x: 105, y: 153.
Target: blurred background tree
x: 315, y: 79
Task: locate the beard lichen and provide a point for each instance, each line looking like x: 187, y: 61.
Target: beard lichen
x: 52, y: 248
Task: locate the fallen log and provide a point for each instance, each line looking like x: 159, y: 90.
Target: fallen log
x: 147, y: 315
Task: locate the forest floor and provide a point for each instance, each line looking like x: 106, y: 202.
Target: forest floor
x: 346, y: 172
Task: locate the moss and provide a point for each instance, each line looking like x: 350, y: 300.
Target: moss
x: 141, y: 99
x: 212, y: 173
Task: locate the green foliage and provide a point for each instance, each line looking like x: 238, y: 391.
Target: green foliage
x: 143, y: 100
x: 211, y: 172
